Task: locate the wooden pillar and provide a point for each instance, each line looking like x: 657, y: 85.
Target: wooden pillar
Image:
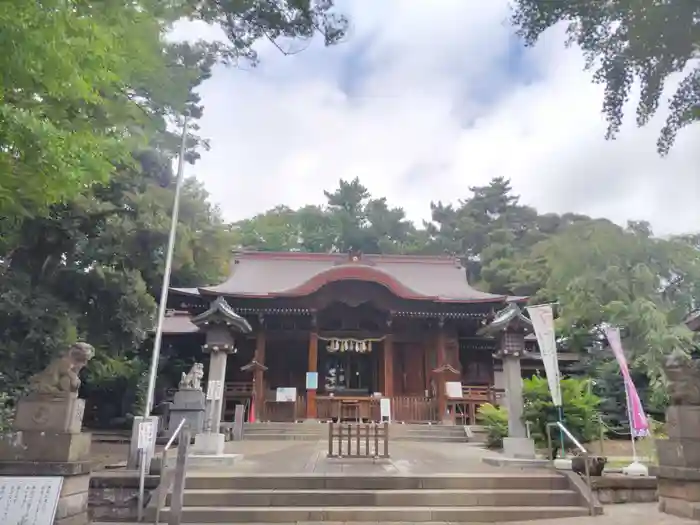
x: 389, y: 362
x: 258, y: 378
x: 311, y: 412
x: 442, y: 360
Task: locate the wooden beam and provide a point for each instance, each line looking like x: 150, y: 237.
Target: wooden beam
x: 258, y: 377
x: 311, y: 411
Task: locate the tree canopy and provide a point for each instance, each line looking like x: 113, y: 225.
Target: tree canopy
x: 628, y: 41
x: 91, y: 101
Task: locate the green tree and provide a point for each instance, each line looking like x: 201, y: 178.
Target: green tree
x: 628, y: 41
x: 83, y: 85
x: 601, y: 273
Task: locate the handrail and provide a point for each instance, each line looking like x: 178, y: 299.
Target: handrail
x: 565, y: 432
x: 162, y: 490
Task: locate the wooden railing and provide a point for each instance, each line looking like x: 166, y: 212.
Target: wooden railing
x: 358, y: 440
x: 286, y: 412
x: 414, y: 409
x: 464, y: 410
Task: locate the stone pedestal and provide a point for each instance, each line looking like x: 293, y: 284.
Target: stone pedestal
x: 188, y: 404
x: 47, y: 441
x: 678, y: 472
x: 517, y: 444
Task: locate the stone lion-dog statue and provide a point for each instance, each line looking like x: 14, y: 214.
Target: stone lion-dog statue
x: 192, y: 380
x: 60, y: 377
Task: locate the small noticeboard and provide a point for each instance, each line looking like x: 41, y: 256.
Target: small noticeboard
x: 286, y: 395
x: 147, y: 436
x: 311, y: 380
x: 385, y: 409
x: 453, y: 390
x: 215, y: 390
x: 29, y: 500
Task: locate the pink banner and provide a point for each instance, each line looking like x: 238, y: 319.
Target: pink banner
x: 638, y: 420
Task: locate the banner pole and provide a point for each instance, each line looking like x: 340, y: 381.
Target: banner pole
x: 635, y: 459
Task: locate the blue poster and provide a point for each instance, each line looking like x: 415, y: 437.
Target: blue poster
x: 311, y: 380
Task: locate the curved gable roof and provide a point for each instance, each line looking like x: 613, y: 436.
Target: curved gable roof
x: 289, y: 274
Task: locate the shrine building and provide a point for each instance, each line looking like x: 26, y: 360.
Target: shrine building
x: 342, y: 331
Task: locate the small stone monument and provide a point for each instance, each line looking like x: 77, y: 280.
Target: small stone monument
x: 47, y: 441
x: 189, y: 402
x: 678, y: 472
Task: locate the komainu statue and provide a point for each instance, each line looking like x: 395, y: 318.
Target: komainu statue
x: 683, y: 374
x: 61, y: 376
x: 192, y: 380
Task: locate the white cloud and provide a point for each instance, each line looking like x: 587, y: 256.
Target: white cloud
x: 430, y: 111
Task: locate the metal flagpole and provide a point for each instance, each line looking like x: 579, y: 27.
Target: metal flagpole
x: 153, y: 371
x: 630, y: 418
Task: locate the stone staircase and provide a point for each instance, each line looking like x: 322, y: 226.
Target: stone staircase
x: 312, y: 431
x: 483, y: 498
x: 398, y: 432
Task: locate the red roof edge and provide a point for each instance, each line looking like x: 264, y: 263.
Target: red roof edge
x: 339, y: 256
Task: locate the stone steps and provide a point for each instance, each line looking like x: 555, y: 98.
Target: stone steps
x: 379, y: 498
x: 482, y: 481
x: 319, y: 431
x: 228, y: 515
x: 468, y: 498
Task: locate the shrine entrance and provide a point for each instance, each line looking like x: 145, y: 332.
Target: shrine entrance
x: 349, y: 366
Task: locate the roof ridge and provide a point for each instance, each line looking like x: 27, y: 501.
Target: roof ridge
x: 323, y: 256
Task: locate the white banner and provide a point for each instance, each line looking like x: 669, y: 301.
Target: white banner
x: 543, y: 322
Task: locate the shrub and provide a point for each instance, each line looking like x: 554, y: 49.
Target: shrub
x: 495, y: 420
x: 580, y: 408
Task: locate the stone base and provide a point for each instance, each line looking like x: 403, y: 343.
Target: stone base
x: 502, y: 461
x: 208, y: 444
x: 48, y: 413
x: 680, y: 508
x: 132, y: 462
x: 207, y: 462
x: 636, y: 469
x: 519, y: 448
x: 188, y: 405
x: 45, y: 446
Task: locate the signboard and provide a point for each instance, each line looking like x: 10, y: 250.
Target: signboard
x: 215, y: 390
x: 147, y: 435
x: 311, y: 380
x: 286, y: 395
x: 385, y: 408
x: 29, y: 500
x: 453, y: 390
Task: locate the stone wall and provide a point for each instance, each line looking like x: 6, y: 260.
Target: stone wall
x: 113, y: 496
x: 618, y: 488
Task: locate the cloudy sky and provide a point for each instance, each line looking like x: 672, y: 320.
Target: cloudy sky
x: 423, y: 100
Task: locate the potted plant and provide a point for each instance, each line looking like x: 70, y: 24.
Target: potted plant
x: 596, y: 464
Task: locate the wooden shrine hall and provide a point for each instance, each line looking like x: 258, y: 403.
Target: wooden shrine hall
x: 333, y: 334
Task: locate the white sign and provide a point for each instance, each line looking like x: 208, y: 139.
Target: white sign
x: 147, y: 435
x: 286, y: 395
x: 453, y: 390
x: 385, y: 409
x: 311, y: 380
x: 543, y: 322
x: 215, y: 390
x: 29, y: 500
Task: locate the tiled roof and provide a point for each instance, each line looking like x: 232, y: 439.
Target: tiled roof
x: 293, y: 274
x: 178, y: 322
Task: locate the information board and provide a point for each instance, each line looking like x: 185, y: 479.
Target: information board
x: 215, y: 390
x: 147, y: 434
x: 453, y: 389
x: 29, y: 500
x: 286, y: 395
x: 311, y: 380
x: 385, y: 409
